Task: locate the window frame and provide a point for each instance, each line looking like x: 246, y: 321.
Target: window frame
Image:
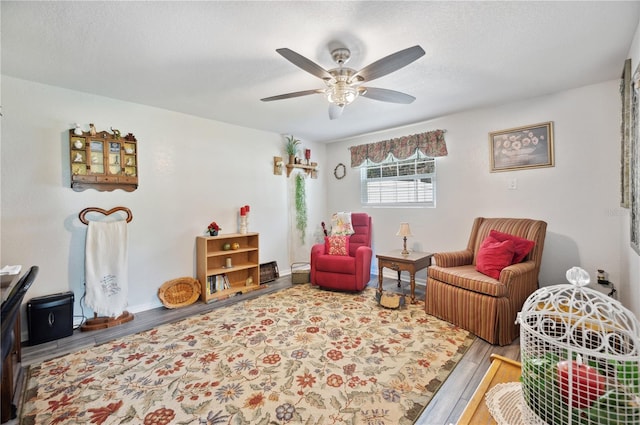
x: 400, y: 176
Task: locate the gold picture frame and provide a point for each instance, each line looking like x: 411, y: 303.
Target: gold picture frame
x: 522, y: 148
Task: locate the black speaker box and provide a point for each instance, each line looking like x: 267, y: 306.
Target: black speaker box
x: 50, y: 317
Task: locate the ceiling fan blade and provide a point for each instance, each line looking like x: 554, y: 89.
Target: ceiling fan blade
x: 290, y: 95
x: 335, y: 111
x: 304, y: 63
x: 390, y: 63
x: 386, y: 95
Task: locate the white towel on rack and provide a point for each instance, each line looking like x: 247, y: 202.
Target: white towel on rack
x: 106, y: 267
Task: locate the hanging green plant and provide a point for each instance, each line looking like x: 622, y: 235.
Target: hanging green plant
x: 301, y: 207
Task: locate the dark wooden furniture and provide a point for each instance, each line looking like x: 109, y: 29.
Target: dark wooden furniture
x: 103, y: 161
x: 412, y: 263
x: 502, y: 370
x: 10, y: 364
x: 12, y: 297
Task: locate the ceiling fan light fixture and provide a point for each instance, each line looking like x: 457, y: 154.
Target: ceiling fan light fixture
x: 343, y: 83
x: 341, y: 93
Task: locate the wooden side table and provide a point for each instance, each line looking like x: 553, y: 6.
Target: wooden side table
x: 502, y: 370
x: 412, y: 263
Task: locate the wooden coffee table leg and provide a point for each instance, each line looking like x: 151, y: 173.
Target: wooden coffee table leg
x: 380, y: 279
x: 399, y: 279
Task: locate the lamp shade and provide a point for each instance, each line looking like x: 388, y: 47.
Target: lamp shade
x: 404, y: 230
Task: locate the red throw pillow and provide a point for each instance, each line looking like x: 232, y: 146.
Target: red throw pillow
x: 523, y: 246
x: 493, y: 256
x: 336, y: 245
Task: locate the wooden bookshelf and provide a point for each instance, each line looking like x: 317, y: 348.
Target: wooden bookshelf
x: 212, y: 265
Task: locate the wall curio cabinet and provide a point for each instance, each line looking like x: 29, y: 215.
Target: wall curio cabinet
x: 103, y: 161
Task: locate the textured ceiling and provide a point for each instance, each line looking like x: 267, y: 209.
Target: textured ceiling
x: 217, y: 59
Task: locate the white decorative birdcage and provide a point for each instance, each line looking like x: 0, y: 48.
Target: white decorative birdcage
x: 580, y: 356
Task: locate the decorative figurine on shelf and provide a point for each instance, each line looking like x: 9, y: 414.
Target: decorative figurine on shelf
x: 213, y: 228
x: 78, y: 157
x: 116, y: 133
x: 92, y: 129
x: 77, y: 144
x: 77, y: 130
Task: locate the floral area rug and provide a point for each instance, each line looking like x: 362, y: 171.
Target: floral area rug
x: 302, y: 355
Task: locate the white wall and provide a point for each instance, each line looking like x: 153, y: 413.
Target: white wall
x: 578, y: 198
x: 194, y: 170
x: 629, y: 259
x: 191, y: 171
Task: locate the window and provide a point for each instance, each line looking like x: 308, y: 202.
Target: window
x: 409, y: 182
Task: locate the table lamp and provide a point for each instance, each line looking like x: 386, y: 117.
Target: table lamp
x: 404, y: 232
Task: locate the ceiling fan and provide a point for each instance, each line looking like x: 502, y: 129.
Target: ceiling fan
x: 343, y: 84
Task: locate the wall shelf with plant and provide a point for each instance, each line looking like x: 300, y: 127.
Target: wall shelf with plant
x: 309, y: 169
x: 291, y: 147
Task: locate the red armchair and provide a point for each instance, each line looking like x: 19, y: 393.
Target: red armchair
x: 345, y: 272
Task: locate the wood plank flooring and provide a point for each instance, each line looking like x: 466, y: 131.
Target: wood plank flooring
x: 445, y: 408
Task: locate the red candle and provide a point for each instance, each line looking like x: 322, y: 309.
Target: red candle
x: 246, y: 208
x: 307, y: 153
x: 243, y: 211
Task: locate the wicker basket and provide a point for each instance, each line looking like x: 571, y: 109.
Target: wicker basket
x: 301, y: 274
x: 179, y: 292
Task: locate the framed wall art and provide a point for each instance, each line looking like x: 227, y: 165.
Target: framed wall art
x: 625, y: 133
x: 634, y: 163
x: 522, y: 147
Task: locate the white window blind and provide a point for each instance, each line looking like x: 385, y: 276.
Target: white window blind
x: 409, y: 182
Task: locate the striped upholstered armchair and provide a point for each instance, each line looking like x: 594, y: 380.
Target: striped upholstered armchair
x: 486, y: 306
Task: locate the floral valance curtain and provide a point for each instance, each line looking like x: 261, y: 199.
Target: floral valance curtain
x: 430, y: 143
